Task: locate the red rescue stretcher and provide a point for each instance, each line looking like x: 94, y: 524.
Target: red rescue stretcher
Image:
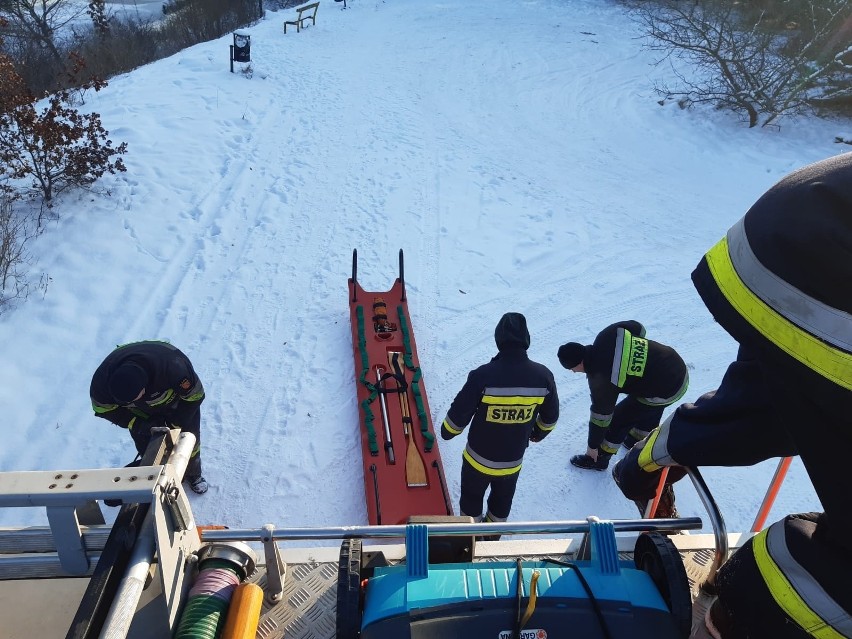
x: 403, y: 472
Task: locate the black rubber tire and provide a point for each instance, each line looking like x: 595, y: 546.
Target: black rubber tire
x: 348, y: 617
x: 657, y: 555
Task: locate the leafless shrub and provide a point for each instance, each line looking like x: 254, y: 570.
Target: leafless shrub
x: 98, y: 14
x: 752, y: 58
x: 17, y: 228
x: 127, y: 46
x: 39, y: 23
x: 188, y: 22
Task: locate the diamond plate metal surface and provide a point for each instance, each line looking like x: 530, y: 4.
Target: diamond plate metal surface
x: 308, y: 607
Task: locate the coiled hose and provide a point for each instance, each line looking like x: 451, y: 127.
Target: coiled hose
x: 208, y: 601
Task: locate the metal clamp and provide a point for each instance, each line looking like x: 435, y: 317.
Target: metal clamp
x: 275, y: 566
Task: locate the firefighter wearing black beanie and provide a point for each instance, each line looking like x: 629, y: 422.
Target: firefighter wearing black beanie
x: 146, y: 384
x: 622, y: 360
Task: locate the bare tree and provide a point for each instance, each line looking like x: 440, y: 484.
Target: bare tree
x: 17, y: 228
x: 98, y: 14
x: 40, y: 21
x: 747, y: 59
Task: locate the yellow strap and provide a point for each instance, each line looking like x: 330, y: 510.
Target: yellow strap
x: 786, y: 596
x: 533, y: 597
x: 832, y: 363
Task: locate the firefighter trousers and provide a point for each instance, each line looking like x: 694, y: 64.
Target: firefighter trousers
x: 473, y: 487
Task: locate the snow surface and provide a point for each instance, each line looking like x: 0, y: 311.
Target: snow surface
x: 515, y: 151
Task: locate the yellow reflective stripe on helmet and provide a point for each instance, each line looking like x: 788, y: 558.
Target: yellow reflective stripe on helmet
x: 785, y: 595
x: 830, y: 324
x: 833, y: 364
x: 646, y: 457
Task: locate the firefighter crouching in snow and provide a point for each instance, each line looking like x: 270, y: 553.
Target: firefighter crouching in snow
x: 780, y: 283
x: 146, y: 384
x: 622, y: 360
x: 512, y: 401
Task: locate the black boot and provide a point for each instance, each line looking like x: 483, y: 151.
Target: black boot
x: 587, y: 463
x: 666, y: 509
x: 197, y: 484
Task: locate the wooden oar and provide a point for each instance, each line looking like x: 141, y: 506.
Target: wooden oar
x: 415, y: 469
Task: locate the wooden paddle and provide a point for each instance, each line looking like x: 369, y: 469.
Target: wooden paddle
x: 415, y: 469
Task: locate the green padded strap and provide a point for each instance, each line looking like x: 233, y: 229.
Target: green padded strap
x: 428, y: 437
x: 369, y: 418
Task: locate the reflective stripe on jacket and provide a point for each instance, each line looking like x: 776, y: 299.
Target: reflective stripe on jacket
x: 795, y: 589
x: 779, y: 282
x: 505, y: 401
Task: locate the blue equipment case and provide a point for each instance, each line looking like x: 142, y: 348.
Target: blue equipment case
x: 600, y: 597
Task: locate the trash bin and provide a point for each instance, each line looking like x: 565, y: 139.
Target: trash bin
x: 242, y: 47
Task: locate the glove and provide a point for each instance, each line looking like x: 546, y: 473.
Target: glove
x: 536, y: 436
x: 141, y: 432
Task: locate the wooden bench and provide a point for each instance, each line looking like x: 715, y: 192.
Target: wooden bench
x: 306, y: 12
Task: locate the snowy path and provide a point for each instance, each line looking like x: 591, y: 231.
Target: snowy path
x: 521, y: 165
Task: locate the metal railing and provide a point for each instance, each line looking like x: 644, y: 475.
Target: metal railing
x: 449, y: 529
x: 716, y: 521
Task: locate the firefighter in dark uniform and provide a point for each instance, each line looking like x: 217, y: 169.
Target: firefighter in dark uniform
x: 509, y: 402
x: 623, y: 360
x: 780, y: 283
x: 146, y: 384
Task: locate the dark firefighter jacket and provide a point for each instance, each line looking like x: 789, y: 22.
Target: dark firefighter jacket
x: 511, y: 400
x: 173, y: 392
x: 804, y: 575
x: 622, y: 360
x: 780, y: 282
